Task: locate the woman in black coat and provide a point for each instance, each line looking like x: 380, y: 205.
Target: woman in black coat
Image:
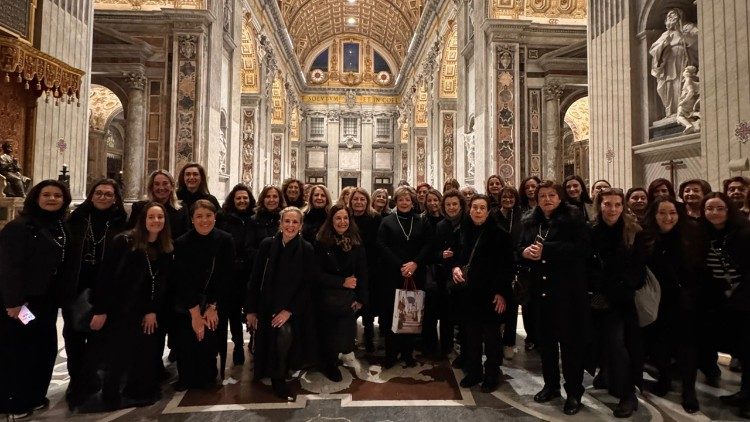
x: 318, y: 205
x: 435, y: 296
x: 405, y: 241
x: 486, y: 268
x: 447, y: 248
x: 161, y: 188
x: 204, y: 259
x: 93, y: 225
x: 368, y: 222
x: 128, y: 300
x: 508, y: 217
x: 33, y: 250
x: 278, y: 305
x: 554, y: 246
x: 294, y: 193
x: 342, y: 287
x: 577, y: 195
x: 265, y: 221
x: 235, y: 220
x: 673, y: 248
x: 618, y: 270
x: 725, y: 287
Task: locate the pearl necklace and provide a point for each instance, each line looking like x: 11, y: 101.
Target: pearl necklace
x: 64, y: 240
x: 151, y: 273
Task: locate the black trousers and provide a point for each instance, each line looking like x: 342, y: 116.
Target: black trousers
x: 671, y: 336
x: 437, y: 309
x: 27, y: 357
x: 485, y: 334
x: 196, y: 360
x: 134, y: 355
x: 530, y: 312
x: 553, y: 349
x: 730, y: 334
x: 85, y: 351
x: 624, y: 350
x: 233, y: 319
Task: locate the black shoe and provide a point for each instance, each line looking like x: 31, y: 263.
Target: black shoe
x: 599, y: 382
x: 713, y: 381
x: 458, y: 362
x: 410, y: 363
x: 281, y: 390
x: 660, y: 388
x: 332, y: 373
x: 238, y: 356
x: 735, y: 399
x: 548, y: 393
x: 41, y: 406
x: 690, y: 404
x: 735, y: 365
x: 20, y: 415
x: 489, y: 384
x: 572, y: 405
x: 469, y: 381
x: 745, y: 410
x: 626, y: 407
x: 179, y: 387
x: 389, y: 363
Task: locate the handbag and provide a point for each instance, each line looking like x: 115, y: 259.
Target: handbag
x: 81, y: 311
x: 454, y: 287
x: 408, y: 309
x: 647, y: 299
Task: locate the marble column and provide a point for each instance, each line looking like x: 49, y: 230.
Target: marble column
x: 135, y: 151
x: 552, y: 153
x: 367, y: 157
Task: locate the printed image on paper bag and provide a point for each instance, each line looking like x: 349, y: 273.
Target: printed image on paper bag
x: 408, y: 311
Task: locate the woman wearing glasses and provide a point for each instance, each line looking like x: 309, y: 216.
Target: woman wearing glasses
x: 725, y: 290
x: 93, y: 225
x: 554, y: 245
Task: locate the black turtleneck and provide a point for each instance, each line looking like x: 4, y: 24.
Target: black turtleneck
x: 188, y: 198
x: 203, y: 266
x: 314, y: 220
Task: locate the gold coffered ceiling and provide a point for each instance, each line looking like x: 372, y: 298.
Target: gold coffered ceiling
x: 391, y: 23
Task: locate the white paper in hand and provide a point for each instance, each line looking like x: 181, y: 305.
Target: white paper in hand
x: 25, y: 316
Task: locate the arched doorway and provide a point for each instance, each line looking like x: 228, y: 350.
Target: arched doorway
x: 106, y: 135
x: 576, y: 139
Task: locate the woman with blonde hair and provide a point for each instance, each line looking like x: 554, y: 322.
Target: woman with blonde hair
x: 318, y: 204
x: 161, y: 187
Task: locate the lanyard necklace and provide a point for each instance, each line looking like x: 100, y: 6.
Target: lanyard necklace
x: 411, y: 226
x: 64, y: 240
x: 90, y: 256
x: 152, y: 274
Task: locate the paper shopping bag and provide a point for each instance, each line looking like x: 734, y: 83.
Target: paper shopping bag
x: 408, y: 309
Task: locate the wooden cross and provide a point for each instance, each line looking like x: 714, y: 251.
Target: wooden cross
x: 672, y: 166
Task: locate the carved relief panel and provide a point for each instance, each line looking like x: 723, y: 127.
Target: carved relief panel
x: 505, y: 112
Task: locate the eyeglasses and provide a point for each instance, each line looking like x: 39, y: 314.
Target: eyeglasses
x: 716, y: 209
x: 101, y: 194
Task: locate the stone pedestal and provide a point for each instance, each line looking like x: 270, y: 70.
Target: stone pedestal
x: 665, y: 128
x: 9, y: 209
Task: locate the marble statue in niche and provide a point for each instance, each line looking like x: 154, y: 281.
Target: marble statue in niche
x: 688, y: 110
x: 676, y: 49
x: 16, y: 183
x: 469, y: 139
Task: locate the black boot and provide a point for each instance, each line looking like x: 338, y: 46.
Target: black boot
x: 548, y: 393
x: 626, y: 407
x: 281, y: 390
x: 238, y: 356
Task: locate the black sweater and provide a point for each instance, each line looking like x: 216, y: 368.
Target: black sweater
x: 195, y: 256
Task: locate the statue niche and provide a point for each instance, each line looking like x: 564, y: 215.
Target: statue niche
x: 16, y: 183
x: 671, y: 54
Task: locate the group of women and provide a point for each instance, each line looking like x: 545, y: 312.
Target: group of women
x: 299, y: 269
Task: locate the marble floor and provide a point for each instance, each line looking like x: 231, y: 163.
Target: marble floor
x: 428, y: 392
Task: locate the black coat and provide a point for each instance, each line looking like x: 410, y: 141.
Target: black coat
x: 396, y: 251
x: 239, y: 226
x: 335, y: 265
x: 561, y: 272
x: 368, y: 226
x: 447, y: 236
x: 124, y: 285
x: 283, y: 278
x: 263, y: 224
x: 31, y: 264
x: 188, y: 199
x: 511, y: 224
x: 179, y: 220
x: 617, y: 269
x: 104, y: 223
x: 195, y: 256
x: 490, y: 272
x: 313, y: 221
